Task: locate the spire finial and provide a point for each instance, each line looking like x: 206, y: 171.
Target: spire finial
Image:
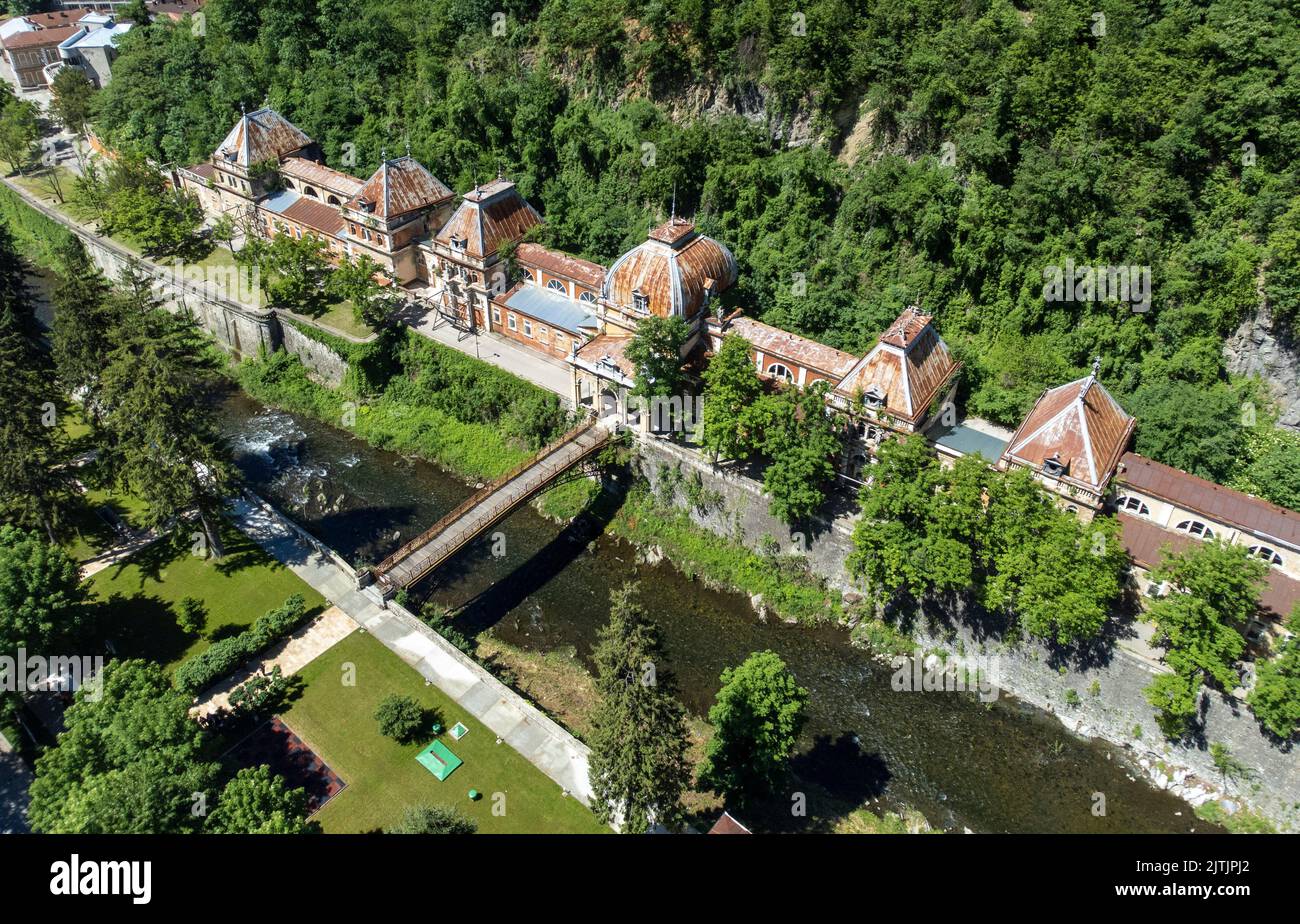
x: 674, y: 212
x: 408, y: 145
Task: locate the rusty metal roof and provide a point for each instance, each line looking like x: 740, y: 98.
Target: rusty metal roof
x: 1081, y: 426
x: 908, y: 367
x: 1145, y: 543
x: 558, y: 263
x: 488, y: 217
x: 609, y: 350
x: 1252, y: 514
x: 39, y: 38
x: 261, y: 135
x: 675, y: 269
x: 327, y: 178
x: 775, y: 343
x: 317, y: 215
x: 399, y: 186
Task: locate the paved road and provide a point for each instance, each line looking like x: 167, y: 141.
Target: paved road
x: 15, y: 779
x: 541, y: 741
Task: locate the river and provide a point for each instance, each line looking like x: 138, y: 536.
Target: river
x: 1002, y: 767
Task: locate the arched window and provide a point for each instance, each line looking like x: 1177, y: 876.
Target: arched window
x: 333, y: 200
x: 1267, y: 554
x: 1135, y: 504
x: 556, y: 286
x: 1195, y: 528
x: 778, y: 371
x: 308, y: 191
x: 587, y: 297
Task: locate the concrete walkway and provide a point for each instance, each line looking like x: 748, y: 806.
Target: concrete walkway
x: 540, y: 740
x: 291, y: 656
x: 15, y: 779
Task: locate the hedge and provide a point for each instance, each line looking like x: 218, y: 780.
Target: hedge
x: 221, y: 658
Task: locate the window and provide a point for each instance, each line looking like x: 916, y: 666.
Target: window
x: 458, y: 243
x: 528, y: 328
x: 556, y: 286
x: 1054, y: 466
x: 587, y: 297
x: 1135, y: 504
x: 640, y: 302
x: 874, y: 397
x: 778, y: 371
x: 1267, y: 554
x: 511, y: 322
x: 496, y: 315
x: 1195, y: 528
x: 542, y: 333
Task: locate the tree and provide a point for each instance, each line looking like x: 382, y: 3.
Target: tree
x: 19, y: 131
x: 730, y: 387
x: 639, y: 735
x: 130, y: 761
x: 33, y: 491
x: 756, y: 721
x: 192, y: 616
x: 890, y: 538
x: 354, y: 280
x: 136, y: 199
x: 297, y: 271
x: 224, y: 231
x: 800, y: 443
x: 256, y: 801
x: 159, y: 436
x: 1188, y: 427
x: 71, y: 102
x: 1214, y: 591
x: 656, y: 353
x: 83, y: 322
x: 1276, y: 697
x: 399, y: 717
x: 433, y: 819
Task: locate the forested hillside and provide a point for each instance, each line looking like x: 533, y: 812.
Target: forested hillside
x: 948, y: 154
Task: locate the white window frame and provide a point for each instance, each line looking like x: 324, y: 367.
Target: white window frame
x: 1135, y: 505
x: 1268, y: 554
x: 780, y: 371
x: 512, y: 322
x: 1195, y: 528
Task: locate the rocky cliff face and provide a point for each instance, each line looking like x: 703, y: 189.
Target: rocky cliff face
x: 1259, y: 348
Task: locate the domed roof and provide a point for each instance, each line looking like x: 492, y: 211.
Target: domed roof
x: 672, y: 273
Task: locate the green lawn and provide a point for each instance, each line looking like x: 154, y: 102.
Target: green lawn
x: 143, y: 593
x: 85, y: 534
x: 382, y: 777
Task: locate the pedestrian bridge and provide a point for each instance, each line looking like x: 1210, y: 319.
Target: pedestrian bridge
x: 481, y: 511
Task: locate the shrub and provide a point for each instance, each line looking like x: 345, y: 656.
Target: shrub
x: 221, y: 658
x: 193, y: 615
x: 399, y: 717
x: 433, y: 819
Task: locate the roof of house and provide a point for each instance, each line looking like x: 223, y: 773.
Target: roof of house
x: 488, y: 217
x: 550, y: 307
x: 261, y: 135
x: 99, y: 38
x: 775, y: 343
x: 1081, y: 426
x: 908, y: 367
x: 39, y: 38
x: 558, y: 263
x: 205, y: 170
x: 1145, y: 542
x: 176, y: 9
x: 675, y: 268
x: 14, y: 26
x: 320, y: 175
x: 607, y: 350
x: 1253, y: 514
x: 317, y: 215
x: 965, y: 440
x: 58, y: 17
x: 399, y: 186
x: 728, y: 825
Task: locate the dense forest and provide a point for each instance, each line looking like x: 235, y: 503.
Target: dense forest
x: 856, y: 157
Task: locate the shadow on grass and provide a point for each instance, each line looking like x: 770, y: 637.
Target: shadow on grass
x: 144, y: 626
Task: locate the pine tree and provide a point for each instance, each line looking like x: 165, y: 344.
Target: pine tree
x: 639, y: 736
x: 83, y: 322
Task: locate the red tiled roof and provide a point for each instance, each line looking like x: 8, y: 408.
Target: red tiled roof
x: 317, y: 215
x: 1146, y: 542
x: 57, y: 18
x: 609, y: 348
x: 775, y: 343
x: 1253, y: 514
x: 557, y: 263
x: 1081, y: 425
x: 728, y: 825
x: 40, y: 37
x: 320, y: 175
x: 399, y: 186
x: 909, y: 366
x: 205, y: 170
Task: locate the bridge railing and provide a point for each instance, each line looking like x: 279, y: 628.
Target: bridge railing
x: 481, y: 495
